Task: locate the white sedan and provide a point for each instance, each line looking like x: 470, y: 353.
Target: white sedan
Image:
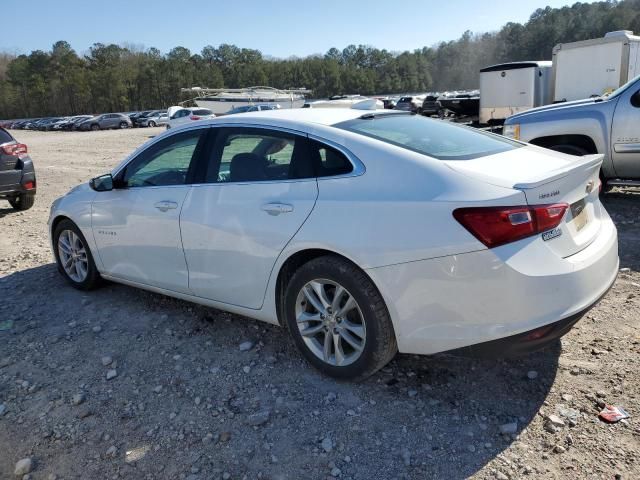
x: 363, y: 232
x: 178, y: 116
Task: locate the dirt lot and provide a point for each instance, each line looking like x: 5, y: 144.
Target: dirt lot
x: 187, y: 403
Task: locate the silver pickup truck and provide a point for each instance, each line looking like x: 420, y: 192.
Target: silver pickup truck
x: 609, y: 125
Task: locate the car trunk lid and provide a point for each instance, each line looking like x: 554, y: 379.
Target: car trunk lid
x: 547, y: 177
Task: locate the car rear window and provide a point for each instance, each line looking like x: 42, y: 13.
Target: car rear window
x: 405, y: 99
x: 5, y: 136
x: 435, y: 138
x: 202, y: 111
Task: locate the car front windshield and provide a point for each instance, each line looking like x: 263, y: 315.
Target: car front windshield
x: 435, y: 138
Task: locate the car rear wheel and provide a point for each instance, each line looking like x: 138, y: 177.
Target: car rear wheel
x: 73, y: 256
x: 152, y: 123
x: 24, y: 201
x: 338, y: 319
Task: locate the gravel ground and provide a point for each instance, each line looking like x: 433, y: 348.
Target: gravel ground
x: 121, y: 383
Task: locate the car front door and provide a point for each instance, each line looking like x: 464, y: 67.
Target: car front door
x: 625, y: 135
x: 258, y: 190
x: 136, y: 226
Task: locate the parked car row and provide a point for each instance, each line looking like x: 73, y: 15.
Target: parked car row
x: 172, y: 117
x: 440, y: 104
x: 105, y: 121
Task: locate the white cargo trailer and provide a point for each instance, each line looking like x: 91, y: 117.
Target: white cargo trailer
x: 509, y: 88
x: 594, y: 67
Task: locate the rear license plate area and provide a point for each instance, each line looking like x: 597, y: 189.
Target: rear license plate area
x: 579, y: 214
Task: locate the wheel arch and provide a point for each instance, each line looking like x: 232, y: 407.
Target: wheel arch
x: 56, y: 221
x: 578, y: 140
x: 298, y: 258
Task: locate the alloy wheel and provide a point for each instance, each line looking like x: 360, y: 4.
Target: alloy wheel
x: 330, y: 322
x: 73, y: 256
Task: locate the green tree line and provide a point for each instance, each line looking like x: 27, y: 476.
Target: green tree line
x: 112, y: 78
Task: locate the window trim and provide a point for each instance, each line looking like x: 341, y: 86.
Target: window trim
x: 358, y: 166
x: 201, y: 147
x: 211, y: 151
x: 211, y: 130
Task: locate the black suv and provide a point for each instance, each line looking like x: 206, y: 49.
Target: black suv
x: 431, y: 105
x: 17, y: 174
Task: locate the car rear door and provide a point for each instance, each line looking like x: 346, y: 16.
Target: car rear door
x: 259, y: 188
x: 136, y: 226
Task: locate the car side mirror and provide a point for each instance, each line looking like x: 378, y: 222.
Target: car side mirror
x: 103, y: 183
x: 635, y: 99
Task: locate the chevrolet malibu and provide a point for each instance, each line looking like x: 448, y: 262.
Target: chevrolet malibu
x: 362, y: 232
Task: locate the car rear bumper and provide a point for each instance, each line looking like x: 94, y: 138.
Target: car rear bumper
x: 526, y: 342
x: 12, y: 182
x: 12, y: 190
x: 503, y: 294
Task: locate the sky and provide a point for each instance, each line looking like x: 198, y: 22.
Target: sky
x: 278, y: 28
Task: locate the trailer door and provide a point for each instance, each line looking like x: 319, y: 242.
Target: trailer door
x: 634, y: 60
x: 587, y: 71
x: 506, y: 92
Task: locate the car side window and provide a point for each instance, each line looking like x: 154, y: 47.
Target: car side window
x: 258, y: 155
x: 166, y: 162
x: 329, y: 161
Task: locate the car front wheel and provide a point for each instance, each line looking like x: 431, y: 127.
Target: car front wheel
x: 338, y: 319
x: 73, y: 256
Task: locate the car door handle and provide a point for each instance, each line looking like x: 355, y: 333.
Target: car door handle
x: 277, y: 208
x: 165, y: 205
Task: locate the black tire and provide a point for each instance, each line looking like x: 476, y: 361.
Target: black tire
x: 23, y: 201
x: 569, y: 149
x: 95, y: 127
x: 124, y: 125
x: 380, y: 342
x: 151, y: 123
x: 606, y: 188
x: 93, y: 278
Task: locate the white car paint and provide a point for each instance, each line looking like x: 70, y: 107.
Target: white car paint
x: 182, y: 116
x: 392, y: 216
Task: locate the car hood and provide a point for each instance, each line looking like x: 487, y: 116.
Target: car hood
x: 554, y: 107
x: 83, y: 187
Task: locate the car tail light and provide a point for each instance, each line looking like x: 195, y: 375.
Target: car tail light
x: 495, y: 226
x: 30, y: 185
x: 194, y: 117
x: 14, y: 149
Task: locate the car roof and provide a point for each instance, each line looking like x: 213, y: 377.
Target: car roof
x: 309, y: 116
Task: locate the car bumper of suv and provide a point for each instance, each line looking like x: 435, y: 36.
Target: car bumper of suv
x: 13, y: 190
x: 499, y: 297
